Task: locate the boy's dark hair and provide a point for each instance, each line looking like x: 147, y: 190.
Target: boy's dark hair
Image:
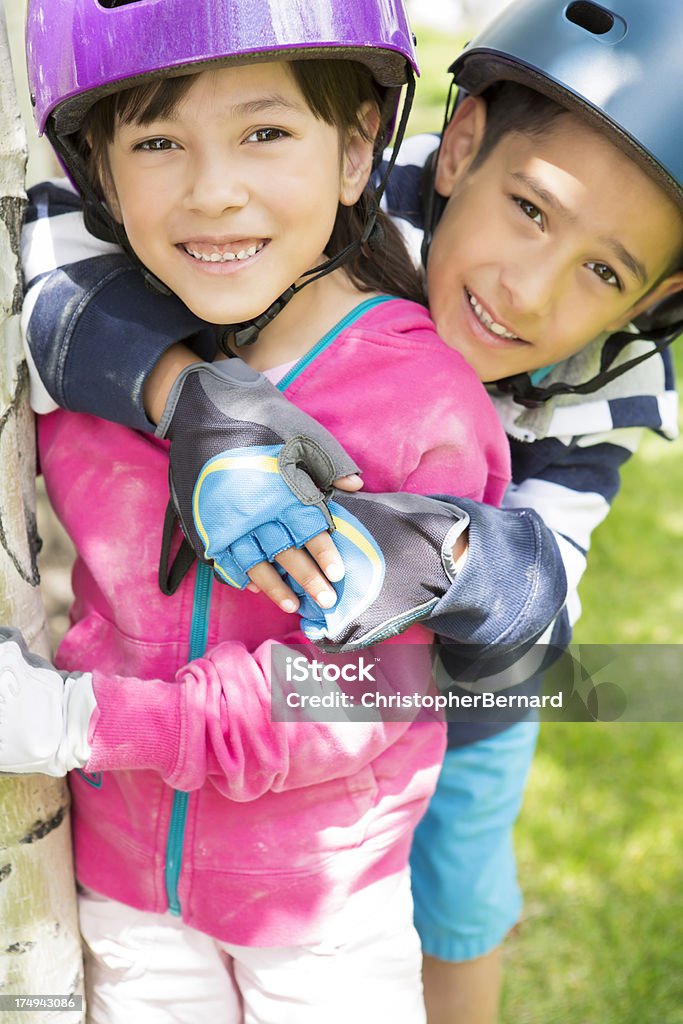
x: 334, y: 90
x: 512, y: 107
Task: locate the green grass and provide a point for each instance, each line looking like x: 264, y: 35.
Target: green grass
x: 599, y: 857
x: 600, y: 836
x: 435, y: 53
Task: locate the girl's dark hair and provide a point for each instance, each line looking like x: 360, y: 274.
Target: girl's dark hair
x: 334, y: 90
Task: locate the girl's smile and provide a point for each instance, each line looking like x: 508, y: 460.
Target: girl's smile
x: 232, y: 197
x: 223, y: 252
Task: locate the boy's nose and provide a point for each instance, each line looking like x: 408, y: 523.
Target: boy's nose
x: 216, y: 185
x: 531, y: 286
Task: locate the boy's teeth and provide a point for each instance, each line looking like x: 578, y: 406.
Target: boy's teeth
x: 489, y: 322
x: 224, y: 257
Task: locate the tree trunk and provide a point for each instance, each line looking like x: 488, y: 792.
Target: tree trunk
x: 39, y: 941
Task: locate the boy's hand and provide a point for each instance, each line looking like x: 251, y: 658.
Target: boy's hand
x: 303, y: 570
x: 44, y: 713
x: 249, y: 472
x: 400, y: 552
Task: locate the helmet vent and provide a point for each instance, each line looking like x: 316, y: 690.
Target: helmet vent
x: 590, y: 17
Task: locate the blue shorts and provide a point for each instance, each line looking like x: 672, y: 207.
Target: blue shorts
x: 464, y: 875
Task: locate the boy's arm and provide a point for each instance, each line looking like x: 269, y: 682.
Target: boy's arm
x: 510, y: 584
x: 556, y: 510
x: 88, y: 359
x: 94, y: 330
x: 573, y: 491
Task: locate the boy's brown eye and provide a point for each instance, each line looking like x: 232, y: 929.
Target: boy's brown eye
x: 605, y: 273
x: 530, y: 210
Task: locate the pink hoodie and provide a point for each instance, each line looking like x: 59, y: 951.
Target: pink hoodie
x: 278, y: 822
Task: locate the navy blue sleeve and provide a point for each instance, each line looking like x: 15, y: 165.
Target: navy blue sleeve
x: 95, y: 329
x: 511, y: 588
x: 509, y: 596
x: 91, y: 356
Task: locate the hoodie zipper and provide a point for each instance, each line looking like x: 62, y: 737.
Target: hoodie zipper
x: 176, y: 827
x: 199, y: 628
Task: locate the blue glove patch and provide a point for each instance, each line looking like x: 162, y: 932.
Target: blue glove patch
x: 365, y: 571
x: 245, y: 513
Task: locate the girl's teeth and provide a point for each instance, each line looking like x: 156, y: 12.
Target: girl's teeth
x: 224, y: 257
x: 488, y: 322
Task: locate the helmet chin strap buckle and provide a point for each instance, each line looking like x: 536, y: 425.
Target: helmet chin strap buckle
x: 247, y: 333
x: 375, y: 240
x: 523, y: 391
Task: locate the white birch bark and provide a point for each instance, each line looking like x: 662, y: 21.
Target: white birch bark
x: 39, y: 943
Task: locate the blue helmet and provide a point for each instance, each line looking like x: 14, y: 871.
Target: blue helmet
x: 617, y: 64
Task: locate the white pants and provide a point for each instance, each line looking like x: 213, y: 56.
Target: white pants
x: 153, y: 968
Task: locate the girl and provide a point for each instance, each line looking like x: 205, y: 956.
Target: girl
x: 234, y: 867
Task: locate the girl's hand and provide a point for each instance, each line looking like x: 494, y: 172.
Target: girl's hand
x: 311, y: 567
x: 44, y: 713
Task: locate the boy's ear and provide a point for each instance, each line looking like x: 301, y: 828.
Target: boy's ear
x: 669, y: 286
x: 357, y: 155
x: 460, y: 143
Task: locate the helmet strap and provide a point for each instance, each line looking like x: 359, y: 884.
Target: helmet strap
x: 433, y: 203
x: 531, y: 396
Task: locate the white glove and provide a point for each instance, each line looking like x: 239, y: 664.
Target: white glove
x: 44, y: 713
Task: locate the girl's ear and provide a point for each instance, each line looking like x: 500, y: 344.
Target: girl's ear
x: 356, y: 162
x: 460, y: 144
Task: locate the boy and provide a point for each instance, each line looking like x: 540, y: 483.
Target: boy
x: 515, y: 151
x: 510, y: 306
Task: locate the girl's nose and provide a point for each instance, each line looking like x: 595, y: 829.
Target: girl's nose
x: 215, y: 185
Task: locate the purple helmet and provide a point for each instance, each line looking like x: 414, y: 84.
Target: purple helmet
x: 80, y: 50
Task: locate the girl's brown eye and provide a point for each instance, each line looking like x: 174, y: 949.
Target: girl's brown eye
x: 155, y: 145
x: 267, y: 135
